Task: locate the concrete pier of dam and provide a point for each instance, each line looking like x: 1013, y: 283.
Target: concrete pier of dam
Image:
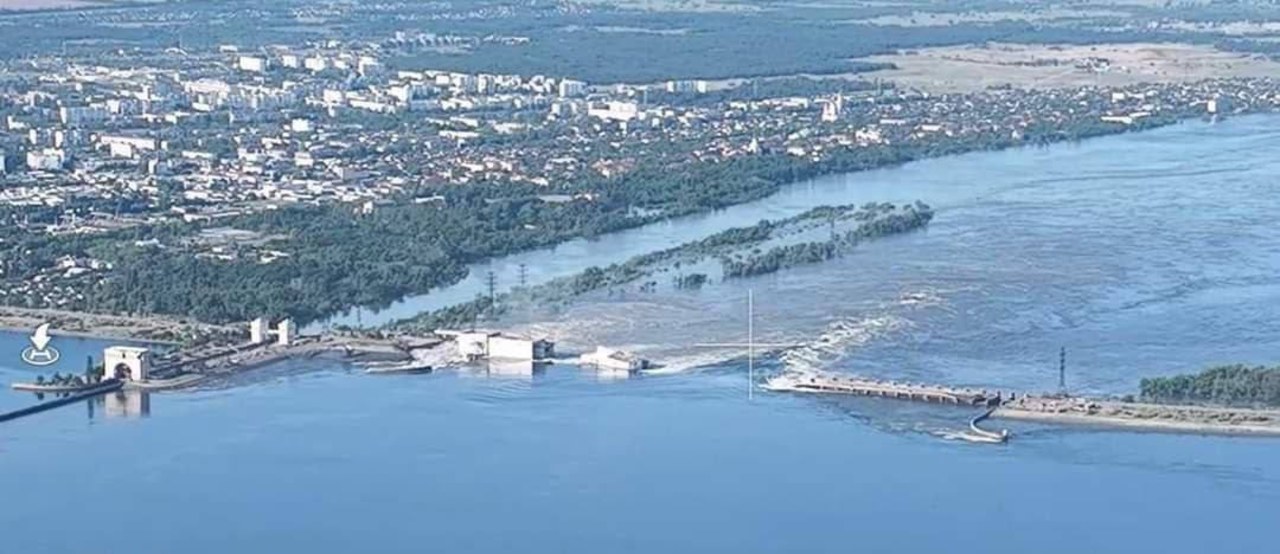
x: 82, y: 394
x: 839, y: 384
x: 185, y: 369
x: 1053, y: 409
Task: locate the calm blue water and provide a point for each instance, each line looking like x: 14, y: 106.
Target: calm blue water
x: 1027, y: 253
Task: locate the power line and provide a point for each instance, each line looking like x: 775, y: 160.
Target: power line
x: 492, y: 282
x: 1061, y: 370
x: 751, y: 344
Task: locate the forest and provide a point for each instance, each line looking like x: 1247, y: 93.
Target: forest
x: 1228, y: 385
x: 338, y: 260
x: 604, y: 43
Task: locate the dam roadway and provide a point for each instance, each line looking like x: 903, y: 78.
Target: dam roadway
x: 185, y: 369
x: 1053, y: 409
x: 836, y: 384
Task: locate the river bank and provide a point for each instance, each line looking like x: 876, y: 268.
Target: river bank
x: 1045, y: 409
x: 817, y: 235
x: 1138, y: 416
x: 152, y: 329
x: 1143, y: 254
x: 762, y: 178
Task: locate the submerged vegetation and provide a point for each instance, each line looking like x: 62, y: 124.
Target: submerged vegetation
x: 334, y: 261
x: 869, y: 221
x: 1228, y: 385
x: 877, y: 221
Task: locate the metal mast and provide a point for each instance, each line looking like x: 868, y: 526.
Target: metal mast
x: 492, y: 282
x: 751, y: 344
x: 1062, y: 369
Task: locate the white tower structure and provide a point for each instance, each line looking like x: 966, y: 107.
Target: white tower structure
x: 131, y: 363
x: 286, y: 332
x: 258, y: 329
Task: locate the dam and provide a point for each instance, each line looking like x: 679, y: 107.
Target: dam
x: 837, y: 384
x: 1058, y: 409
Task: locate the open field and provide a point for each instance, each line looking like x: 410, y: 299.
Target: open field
x: 969, y: 68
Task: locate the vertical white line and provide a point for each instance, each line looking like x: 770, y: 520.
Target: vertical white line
x: 751, y: 344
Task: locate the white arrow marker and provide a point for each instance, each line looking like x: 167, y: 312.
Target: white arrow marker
x: 40, y: 339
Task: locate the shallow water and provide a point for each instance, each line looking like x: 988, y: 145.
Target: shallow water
x: 1142, y: 254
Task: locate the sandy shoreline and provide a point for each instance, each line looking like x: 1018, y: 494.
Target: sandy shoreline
x: 1136, y: 424
x: 122, y: 337
x: 151, y: 329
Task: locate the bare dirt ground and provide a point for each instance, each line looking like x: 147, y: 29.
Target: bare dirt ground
x: 976, y: 67
x: 69, y: 323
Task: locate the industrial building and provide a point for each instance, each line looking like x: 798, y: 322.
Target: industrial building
x: 475, y: 345
x: 509, y: 347
x: 260, y: 331
x: 613, y: 360
x: 130, y: 363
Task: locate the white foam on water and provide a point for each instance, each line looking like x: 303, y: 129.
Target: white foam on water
x: 838, y: 339
x: 676, y: 333
x: 843, y: 336
x: 692, y: 360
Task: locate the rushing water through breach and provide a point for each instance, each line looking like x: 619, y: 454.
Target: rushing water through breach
x: 1142, y: 254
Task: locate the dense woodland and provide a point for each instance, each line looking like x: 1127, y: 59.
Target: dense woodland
x: 339, y: 260
x: 1230, y: 385
x: 601, y: 43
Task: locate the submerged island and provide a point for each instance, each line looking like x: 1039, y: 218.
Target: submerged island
x: 814, y: 236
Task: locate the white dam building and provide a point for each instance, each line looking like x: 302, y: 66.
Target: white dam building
x: 475, y: 345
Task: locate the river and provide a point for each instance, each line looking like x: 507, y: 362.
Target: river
x: 1142, y: 254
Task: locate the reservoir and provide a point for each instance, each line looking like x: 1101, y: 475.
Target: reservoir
x: 1142, y: 254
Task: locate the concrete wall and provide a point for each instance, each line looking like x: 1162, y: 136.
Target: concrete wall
x: 473, y: 345
x: 258, y: 330
x: 138, y: 360
x: 510, y: 348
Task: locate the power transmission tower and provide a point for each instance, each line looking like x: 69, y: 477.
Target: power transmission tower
x: 751, y: 343
x: 492, y: 282
x: 524, y: 275
x: 1062, y: 369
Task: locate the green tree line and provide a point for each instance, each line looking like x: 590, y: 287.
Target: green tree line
x: 1228, y: 385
